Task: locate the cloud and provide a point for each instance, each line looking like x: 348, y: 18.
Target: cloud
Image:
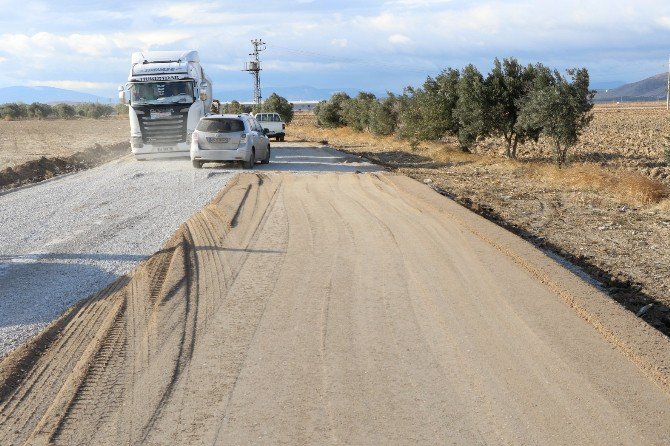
x: 416, y: 3
x: 664, y: 21
x: 147, y: 40
x: 399, y: 38
x: 386, y: 21
x: 340, y: 42
x: 330, y: 41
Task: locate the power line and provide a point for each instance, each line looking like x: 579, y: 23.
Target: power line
x: 395, y: 67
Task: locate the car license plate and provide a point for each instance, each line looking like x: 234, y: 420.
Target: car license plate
x: 160, y: 115
x: 165, y: 149
x: 213, y: 140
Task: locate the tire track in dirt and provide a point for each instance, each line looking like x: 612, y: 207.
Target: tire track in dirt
x: 323, y: 309
x: 108, y: 367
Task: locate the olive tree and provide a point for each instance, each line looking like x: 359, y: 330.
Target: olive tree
x: 438, y: 104
x: 471, y: 107
x: 561, y: 108
x: 233, y: 108
x: 329, y: 113
x: 62, y: 112
x: 14, y: 110
x: 507, y: 85
x: 278, y: 104
x: 39, y: 110
x: 356, y: 111
x: 427, y: 113
x: 384, y: 115
x: 409, y: 115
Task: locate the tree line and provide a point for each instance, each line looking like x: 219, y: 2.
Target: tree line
x: 514, y: 102
x: 38, y: 110
x: 273, y: 104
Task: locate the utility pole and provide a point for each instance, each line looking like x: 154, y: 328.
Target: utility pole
x: 667, y: 97
x: 254, y: 67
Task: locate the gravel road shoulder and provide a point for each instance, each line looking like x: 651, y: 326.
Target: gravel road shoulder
x: 67, y: 238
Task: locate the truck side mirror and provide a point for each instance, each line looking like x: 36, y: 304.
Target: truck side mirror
x: 203, y: 90
x: 122, y: 95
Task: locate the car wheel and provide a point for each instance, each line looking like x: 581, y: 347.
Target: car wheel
x: 252, y: 160
x: 266, y: 160
x: 197, y: 164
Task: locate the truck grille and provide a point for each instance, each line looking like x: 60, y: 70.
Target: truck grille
x: 165, y: 130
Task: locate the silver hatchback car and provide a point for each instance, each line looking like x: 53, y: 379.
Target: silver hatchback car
x: 229, y: 138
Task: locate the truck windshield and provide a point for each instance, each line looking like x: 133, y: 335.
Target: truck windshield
x: 146, y: 93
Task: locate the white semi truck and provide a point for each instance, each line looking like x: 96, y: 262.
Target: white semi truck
x: 167, y: 93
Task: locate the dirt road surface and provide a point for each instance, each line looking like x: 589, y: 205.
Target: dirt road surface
x: 64, y: 239
x: 340, y: 308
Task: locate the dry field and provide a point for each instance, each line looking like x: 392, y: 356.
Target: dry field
x: 22, y: 141
x: 631, y: 138
x: 608, y: 212
x: 34, y: 150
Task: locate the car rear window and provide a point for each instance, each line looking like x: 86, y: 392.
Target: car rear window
x: 221, y: 125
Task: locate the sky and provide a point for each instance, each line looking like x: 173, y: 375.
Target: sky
x: 364, y: 45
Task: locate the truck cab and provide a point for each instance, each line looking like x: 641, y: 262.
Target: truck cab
x: 273, y: 122
x: 167, y: 93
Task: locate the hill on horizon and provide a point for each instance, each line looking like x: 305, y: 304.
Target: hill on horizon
x: 49, y: 95
x: 651, y: 89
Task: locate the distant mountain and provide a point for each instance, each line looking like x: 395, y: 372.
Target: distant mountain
x: 650, y: 89
x: 300, y: 93
x: 46, y: 95
x: 607, y: 85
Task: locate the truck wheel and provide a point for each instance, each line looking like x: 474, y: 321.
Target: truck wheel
x: 197, y: 164
x: 266, y: 160
x: 252, y: 160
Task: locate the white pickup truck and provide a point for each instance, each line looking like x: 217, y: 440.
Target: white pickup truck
x: 272, y: 121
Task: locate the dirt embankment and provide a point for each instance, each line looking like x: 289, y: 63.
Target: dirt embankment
x: 608, y: 212
x: 34, y: 150
x: 44, y: 168
x: 340, y: 309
